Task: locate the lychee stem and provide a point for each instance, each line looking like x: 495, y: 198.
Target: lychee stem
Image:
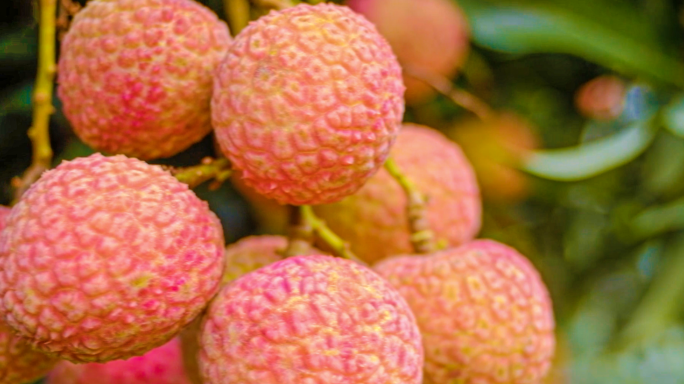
x: 42, y: 100
x: 444, y: 86
x: 217, y: 169
x: 422, y: 237
x: 320, y: 229
x: 237, y: 13
x: 273, y: 4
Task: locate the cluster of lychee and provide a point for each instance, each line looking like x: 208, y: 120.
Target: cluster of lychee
x: 107, y: 262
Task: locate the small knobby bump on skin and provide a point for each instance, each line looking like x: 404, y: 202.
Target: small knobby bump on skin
x: 484, y: 313
x: 105, y: 258
x: 307, y: 103
x: 135, y: 77
x: 310, y: 319
x: 375, y: 221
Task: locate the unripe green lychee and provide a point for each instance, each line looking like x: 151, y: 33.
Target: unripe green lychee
x: 271, y: 217
x: 105, y: 258
x: 374, y: 219
x: 135, y: 76
x: 483, y: 310
x: 18, y: 362
x: 242, y: 257
x: 430, y: 35
x: 161, y: 365
x: 307, y: 103
x: 310, y: 319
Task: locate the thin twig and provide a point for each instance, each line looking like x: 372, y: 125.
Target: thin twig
x: 237, y: 14
x: 211, y: 169
x: 320, y: 229
x: 273, y: 4
x: 422, y: 237
x: 444, y: 86
x: 42, y: 100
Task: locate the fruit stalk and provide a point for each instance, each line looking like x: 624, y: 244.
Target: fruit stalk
x: 237, y: 14
x: 443, y: 85
x: 42, y: 99
x: 422, y: 237
x: 339, y: 247
x: 273, y: 4
x: 217, y: 169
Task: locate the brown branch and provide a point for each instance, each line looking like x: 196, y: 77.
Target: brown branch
x: 444, y: 86
x: 42, y: 100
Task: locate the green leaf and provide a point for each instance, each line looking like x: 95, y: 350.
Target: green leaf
x: 545, y: 29
x: 592, y: 158
x: 673, y: 116
x: 659, y: 219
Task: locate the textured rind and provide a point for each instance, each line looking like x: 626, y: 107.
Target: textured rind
x: 428, y: 34
x: 18, y: 362
x: 374, y: 219
x: 307, y: 103
x: 135, y: 76
x: 161, y: 365
x: 310, y: 320
x: 483, y: 310
x: 105, y: 258
x: 242, y: 257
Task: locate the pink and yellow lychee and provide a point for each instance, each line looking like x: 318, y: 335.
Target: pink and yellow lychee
x: 307, y: 103
x: 602, y: 98
x: 430, y: 35
x: 374, y: 220
x: 242, y: 257
x: 18, y: 362
x: 162, y: 365
x: 135, y: 76
x: 105, y: 258
x: 495, y: 149
x: 310, y: 319
x: 483, y: 310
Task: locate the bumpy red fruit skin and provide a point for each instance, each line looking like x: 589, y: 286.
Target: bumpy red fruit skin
x: 105, y: 258
x: 135, y: 76
x: 18, y: 362
x: 242, y: 257
x: 161, y: 365
x: 307, y: 103
x: 310, y: 320
x: 374, y: 219
x: 483, y: 310
x: 428, y: 34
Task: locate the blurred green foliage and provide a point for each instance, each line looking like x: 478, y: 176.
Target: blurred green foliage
x: 609, y: 242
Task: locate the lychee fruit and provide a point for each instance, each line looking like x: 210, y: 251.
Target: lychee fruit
x: 602, y: 98
x: 135, y: 76
x: 4, y: 212
x: 105, y: 258
x: 162, y: 365
x: 18, y: 362
x: 310, y: 319
x: 496, y: 148
x: 242, y: 257
x: 429, y: 35
x: 483, y: 310
x: 307, y: 103
x: 374, y: 220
